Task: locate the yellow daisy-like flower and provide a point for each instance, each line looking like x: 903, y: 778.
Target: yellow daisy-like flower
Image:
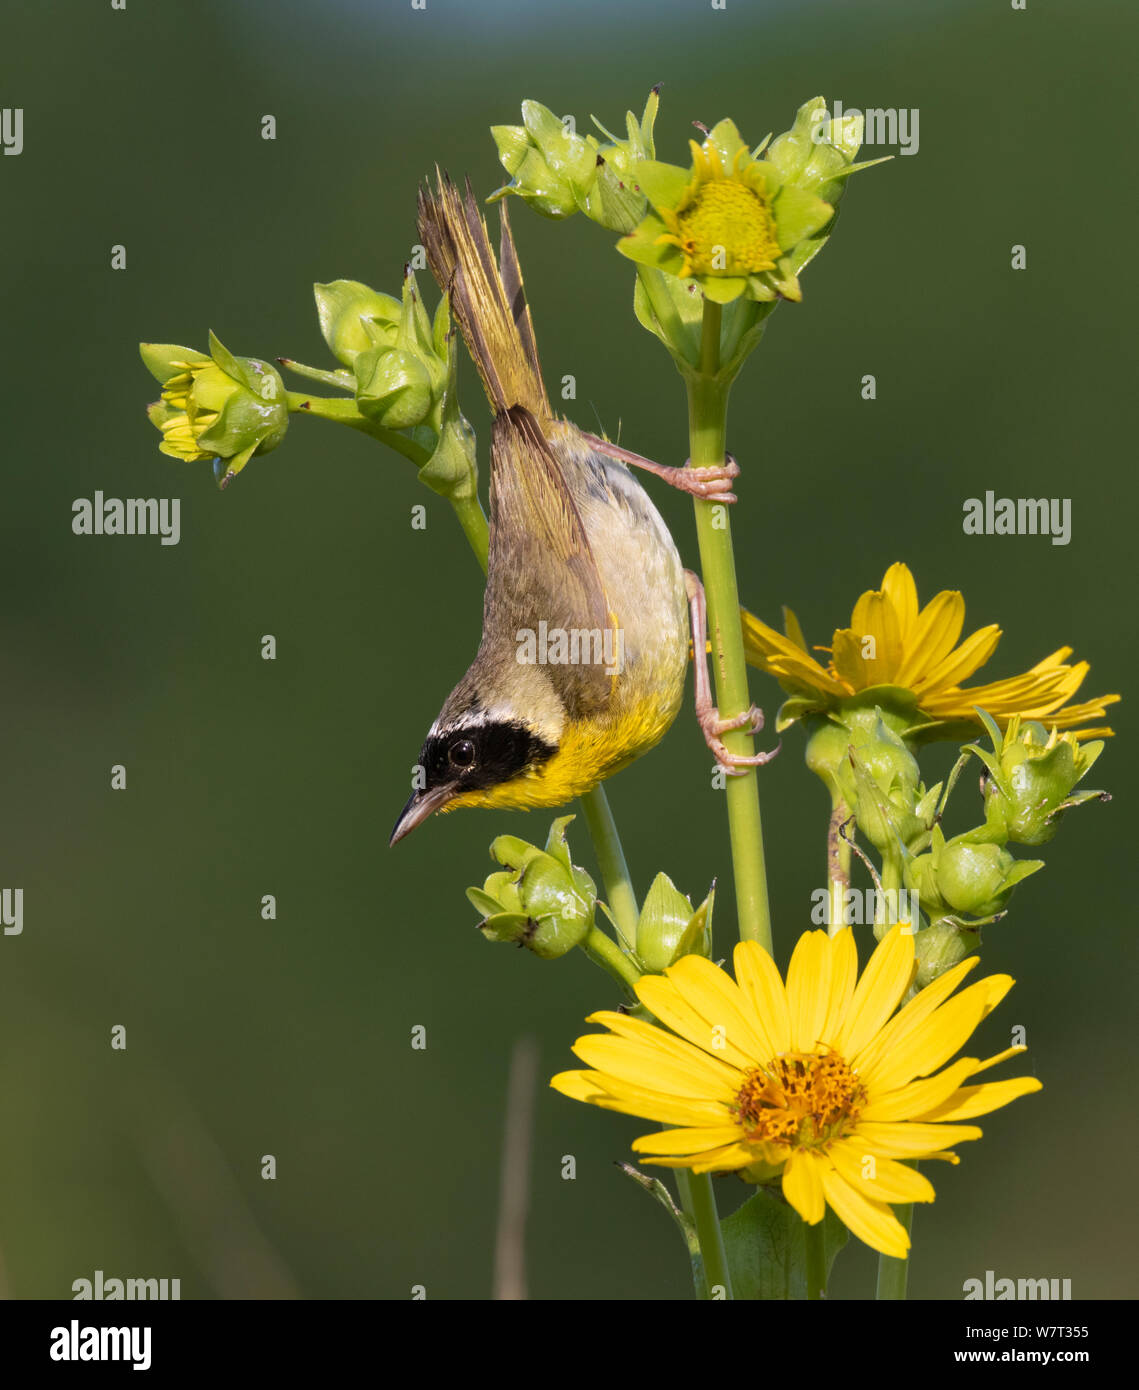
x: 911, y: 659
x: 818, y: 1082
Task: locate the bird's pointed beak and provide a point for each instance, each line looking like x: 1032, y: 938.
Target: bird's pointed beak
x: 419, y: 806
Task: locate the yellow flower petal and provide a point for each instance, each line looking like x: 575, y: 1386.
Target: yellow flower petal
x: 944, y: 1033
x: 723, y: 1160
x: 890, y: 1181
x: 959, y: 665
x: 899, y: 587
x: 713, y: 993
x: 935, y: 633
x: 687, y: 1141
x: 610, y: 1093
x: 808, y: 989
x: 884, y: 981
x: 662, y: 998
x: 915, y: 1100
x: 980, y: 1100
x: 911, y: 1140
x: 803, y: 1185
x: 758, y: 977
x: 872, y: 1222
x: 887, y: 1042
x: 644, y: 1065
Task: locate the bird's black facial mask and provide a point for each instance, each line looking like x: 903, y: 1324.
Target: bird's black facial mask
x: 466, y: 759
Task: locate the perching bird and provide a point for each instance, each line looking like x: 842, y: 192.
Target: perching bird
x: 585, y: 634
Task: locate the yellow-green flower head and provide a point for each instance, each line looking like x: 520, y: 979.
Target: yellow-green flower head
x: 822, y: 1084
x: 1031, y: 776
x: 732, y: 222
x: 907, y: 661
x: 218, y: 407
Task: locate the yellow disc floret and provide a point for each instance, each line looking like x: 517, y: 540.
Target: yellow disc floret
x: 723, y: 224
x: 802, y: 1099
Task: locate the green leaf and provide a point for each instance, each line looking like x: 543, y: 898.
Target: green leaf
x: 766, y: 1245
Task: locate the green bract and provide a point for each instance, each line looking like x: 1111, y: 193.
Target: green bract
x: 218, y: 407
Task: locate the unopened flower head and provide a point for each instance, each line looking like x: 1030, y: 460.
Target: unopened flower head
x: 217, y: 407
x: 817, y: 1083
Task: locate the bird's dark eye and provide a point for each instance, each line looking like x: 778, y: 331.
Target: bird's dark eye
x: 462, y: 753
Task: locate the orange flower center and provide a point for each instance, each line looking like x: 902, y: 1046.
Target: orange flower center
x: 803, y: 1099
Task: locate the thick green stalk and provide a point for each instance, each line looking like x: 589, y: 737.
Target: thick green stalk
x: 699, y: 1203
x: 472, y: 519
x: 611, y: 860
x: 344, y: 412
x: 816, y: 1261
x: 893, y: 1274
x: 707, y: 420
x: 606, y: 953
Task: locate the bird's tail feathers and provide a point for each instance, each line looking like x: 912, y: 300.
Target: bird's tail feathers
x: 489, y: 303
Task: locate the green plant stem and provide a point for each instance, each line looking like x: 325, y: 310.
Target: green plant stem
x: 892, y: 1273
x: 816, y: 1261
x: 699, y: 1203
x: 611, y: 860
x: 707, y: 421
x: 344, y: 412
x: 607, y: 954
x: 472, y: 519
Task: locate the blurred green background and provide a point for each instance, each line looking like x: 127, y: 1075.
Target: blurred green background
x: 248, y: 777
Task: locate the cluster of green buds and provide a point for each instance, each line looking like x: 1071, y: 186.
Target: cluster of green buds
x: 539, y: 899
x: 399, y: 359
x: 964, y: 882
x: 218, y: 407
x: 397, y: 373
x: 558, y: 172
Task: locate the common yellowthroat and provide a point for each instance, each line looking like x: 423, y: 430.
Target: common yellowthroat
x: 585, y: 635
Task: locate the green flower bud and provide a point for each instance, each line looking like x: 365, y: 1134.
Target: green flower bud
x: 392, y: 386
x: 941, y: 946
x: 1030, y: 779
x: 868, y: 764
x: 960, y: 876
x: 546, y: 161
x: 668, y: 928
x: 542, y: 901
x: 219, y: 407
x: 817, y: 152
x: 559, y: 172
x: 354, y: 317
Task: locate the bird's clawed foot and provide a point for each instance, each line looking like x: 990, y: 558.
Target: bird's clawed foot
x: 709, y: 484
x: 734, y: 764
